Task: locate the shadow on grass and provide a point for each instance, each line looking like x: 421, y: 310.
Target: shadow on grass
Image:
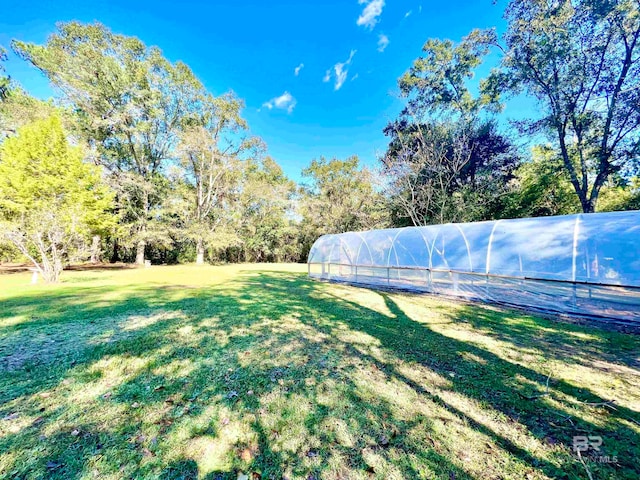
x: 275, y: 375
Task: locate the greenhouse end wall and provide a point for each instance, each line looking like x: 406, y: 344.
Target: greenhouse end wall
x: 587, y: 264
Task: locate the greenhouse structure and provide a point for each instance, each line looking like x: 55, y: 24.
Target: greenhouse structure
x: 586, y: 264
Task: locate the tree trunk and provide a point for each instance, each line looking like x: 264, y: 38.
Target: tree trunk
x: 140, y: 252
x: 114, y: 256
x: 589, y: 207
x: 95, y: 249
x: 199, y: 252
x: 51, y: 268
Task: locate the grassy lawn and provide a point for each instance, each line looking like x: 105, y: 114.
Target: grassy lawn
x: 254, y: 371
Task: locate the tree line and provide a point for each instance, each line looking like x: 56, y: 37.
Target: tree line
x: 135, y: 160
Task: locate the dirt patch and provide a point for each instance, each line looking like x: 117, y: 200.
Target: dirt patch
x: 14, y: 267
x: 6, y: 268
x: 83, y: 267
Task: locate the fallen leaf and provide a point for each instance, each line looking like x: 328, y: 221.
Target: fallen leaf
x: 166, y: 422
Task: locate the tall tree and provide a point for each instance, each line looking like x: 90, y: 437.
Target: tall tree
x: 437, y: 84
x: 339, y: 196
x: 422, y: 164
x: 446, y: 160
x: 580, y: 60
x: 132, y: 104
x: 50, y: 199
x: 442, y: 172
x: 268, y: 231
x: 212, y: 149
x: 543, y: 187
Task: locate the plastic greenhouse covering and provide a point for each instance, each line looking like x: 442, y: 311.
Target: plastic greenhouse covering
x: 587, y: 264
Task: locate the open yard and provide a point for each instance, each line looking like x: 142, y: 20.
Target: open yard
x: 255, y: 371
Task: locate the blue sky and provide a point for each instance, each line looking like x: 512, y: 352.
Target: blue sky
x: 347, y: 55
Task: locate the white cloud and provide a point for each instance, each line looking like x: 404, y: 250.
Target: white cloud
x: 340, y: 72
x: 286, y: 101
x: 408, y: 14
x: 383, y: 41
x: 372, y: 10
x: 296, y: 71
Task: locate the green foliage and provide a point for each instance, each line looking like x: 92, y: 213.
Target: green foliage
x: 438, y: 82
x: 268, y: 230
x: 19, y: 108
x: 40, y: 170
x: 543, y: 187
x: 190, y: 180
x: 579, y: 60
x: 446, y: 160
x: 447, y: 171
x: 8, y: 252
x: 131, y: 103
x: 620, y: 195
x: 339, y: 196
x: 50, y: 200
x: 212, y: 150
